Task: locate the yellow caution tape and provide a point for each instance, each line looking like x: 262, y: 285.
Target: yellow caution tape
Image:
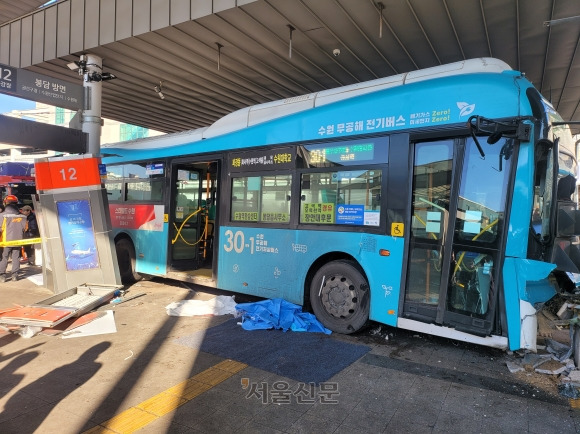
x: 23, y: 242
x: 16, y: 243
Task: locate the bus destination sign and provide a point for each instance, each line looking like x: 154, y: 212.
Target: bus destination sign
x: 41, y: 88
x: 267, y: 159
x: 341, y: 154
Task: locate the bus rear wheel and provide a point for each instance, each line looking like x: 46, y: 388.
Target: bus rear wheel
x: 126, y: 260
x: 339, y: 296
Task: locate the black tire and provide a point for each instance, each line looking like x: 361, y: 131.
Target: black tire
x: 339, y: 296
x: 126, y: 260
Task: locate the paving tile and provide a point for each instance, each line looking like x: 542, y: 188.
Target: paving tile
x: 430, y: 392
x: 18, y: 402
x: 246, y: 407
x: 215, y: 398
x: 279, y: 417
x: 370, y: 421
x: 166, y: 425
x: 346, y: 429
x: 253, y: 428
x: 456, y: 423
x: 190, y: 413
x: 313, y: 423
x: 545, y: 417
x: 412, y: 417
x: 383, y: 403
x: 393, y: 382
x: 45, y: 419
x: 218, y: 421
x: 465, y: 400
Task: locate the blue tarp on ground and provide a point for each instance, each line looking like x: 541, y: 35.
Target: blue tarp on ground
x: 278, y: 314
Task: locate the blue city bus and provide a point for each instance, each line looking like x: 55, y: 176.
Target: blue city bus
x: 440, y: 201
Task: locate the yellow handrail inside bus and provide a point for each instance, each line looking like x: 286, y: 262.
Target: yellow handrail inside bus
x: 473, y: 239
x: 178, y: 233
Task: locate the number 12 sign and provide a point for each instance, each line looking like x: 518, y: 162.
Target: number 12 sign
x: 67, y: 173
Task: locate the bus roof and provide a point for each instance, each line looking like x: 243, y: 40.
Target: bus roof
x: 260, y: 113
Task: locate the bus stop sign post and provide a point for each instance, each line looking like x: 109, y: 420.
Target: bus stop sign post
x: 73, y: 215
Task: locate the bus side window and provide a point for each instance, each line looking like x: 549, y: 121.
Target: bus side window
x: 157, y: 189
x: 341, y: 197
x: 114, y: 190
x: 244, y: 204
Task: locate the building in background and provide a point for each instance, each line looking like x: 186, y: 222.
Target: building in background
x: 111, y: 132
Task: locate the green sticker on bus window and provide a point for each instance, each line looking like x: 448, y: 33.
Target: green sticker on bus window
x: 275, y: 217
x: 245, y: 216
x: 317, y: 213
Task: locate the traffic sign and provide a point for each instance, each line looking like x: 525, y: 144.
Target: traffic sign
x: 41, y: 88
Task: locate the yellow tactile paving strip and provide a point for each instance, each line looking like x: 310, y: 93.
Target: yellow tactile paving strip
x: 165, y: 402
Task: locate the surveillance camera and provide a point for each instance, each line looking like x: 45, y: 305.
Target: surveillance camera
x: 336, y: 52
x: 159, y: 91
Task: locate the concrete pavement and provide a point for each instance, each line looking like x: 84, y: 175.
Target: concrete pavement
x: 140, y: 379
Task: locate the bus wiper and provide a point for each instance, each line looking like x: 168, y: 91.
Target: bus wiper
x: 513, y: 129
x: 506, y: 152
x: 479, y: 148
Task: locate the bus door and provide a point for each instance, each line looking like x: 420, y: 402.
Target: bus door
x: 457, y: 219
x: 185, y: 215
x: 192, y: 215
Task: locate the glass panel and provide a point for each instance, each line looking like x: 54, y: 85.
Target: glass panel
x: 145, y: 190
x: 346, y: 197
x: 144, y: 170
x: 276, y: 199
x: 482, y: 194
x: 114, y: 190
x: 431, y: 189
x: 471, y: 283
x: 245, y: 199
x: 187, y: 195
x: 59, y: 116
x: 424, y: 278
x: 132, y: 132
x: 261, y: 198
x: 114, y: 172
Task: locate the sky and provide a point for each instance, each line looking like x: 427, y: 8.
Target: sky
x: 9, y: 103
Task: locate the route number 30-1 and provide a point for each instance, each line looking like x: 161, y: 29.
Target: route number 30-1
x: 237, y: 242
x: 69, y: 174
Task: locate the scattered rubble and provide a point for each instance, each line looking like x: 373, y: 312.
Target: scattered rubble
x: 556, y: 358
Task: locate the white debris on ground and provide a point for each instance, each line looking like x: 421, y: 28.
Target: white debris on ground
x: 220, y: 305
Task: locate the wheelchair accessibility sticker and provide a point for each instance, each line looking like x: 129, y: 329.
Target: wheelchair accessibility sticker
x: 397, y: 229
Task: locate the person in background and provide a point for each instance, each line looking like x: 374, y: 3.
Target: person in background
x: 30, y: 232
x: 13, y: 223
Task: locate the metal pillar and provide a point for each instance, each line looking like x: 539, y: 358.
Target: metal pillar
x: 91, y: 118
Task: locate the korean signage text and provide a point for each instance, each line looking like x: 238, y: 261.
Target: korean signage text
x: 36, y: 87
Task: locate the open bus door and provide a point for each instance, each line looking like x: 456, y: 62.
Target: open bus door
x: 192, y: 216
x: 458, y: 215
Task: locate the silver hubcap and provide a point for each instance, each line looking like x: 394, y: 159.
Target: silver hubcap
x: 339, y: 296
